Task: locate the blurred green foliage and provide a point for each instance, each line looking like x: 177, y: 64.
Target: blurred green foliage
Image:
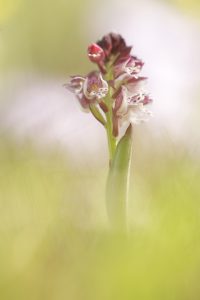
x: 44, y: 35
x: 54, y: 241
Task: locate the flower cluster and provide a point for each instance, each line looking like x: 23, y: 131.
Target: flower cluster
x: 116, y: 89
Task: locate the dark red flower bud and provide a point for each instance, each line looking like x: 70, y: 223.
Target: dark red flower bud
x: 114, y: 44
x: 95, y: 53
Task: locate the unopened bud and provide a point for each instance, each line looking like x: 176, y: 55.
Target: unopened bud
x: 95, y: 53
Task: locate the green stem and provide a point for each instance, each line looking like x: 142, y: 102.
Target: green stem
x: 97, y: 114
x: 112, y: 142
x: 119, y: 171
x: 110, y: 137
x: 118, y: 183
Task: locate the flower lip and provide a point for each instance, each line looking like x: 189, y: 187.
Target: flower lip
x: 133, y: 65
x: 95, y: 87
x: 139, y: 98
x: 127, y: 66
x: 129, y: 107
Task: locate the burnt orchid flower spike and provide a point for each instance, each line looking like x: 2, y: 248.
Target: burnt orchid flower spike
x: 115, y: 94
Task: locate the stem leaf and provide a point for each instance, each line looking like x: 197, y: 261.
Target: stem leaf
x: 118, y: 182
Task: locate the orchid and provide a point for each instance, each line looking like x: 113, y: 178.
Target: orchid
x: 116, y: 96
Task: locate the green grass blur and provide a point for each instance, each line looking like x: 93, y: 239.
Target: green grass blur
x: 55, y: 242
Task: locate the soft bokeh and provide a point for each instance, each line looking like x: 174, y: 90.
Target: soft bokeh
x: 55, y: 241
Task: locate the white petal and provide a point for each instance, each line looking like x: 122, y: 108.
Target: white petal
x: 139, y: 115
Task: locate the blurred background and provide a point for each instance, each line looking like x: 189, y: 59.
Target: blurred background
x: 55, y: 241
